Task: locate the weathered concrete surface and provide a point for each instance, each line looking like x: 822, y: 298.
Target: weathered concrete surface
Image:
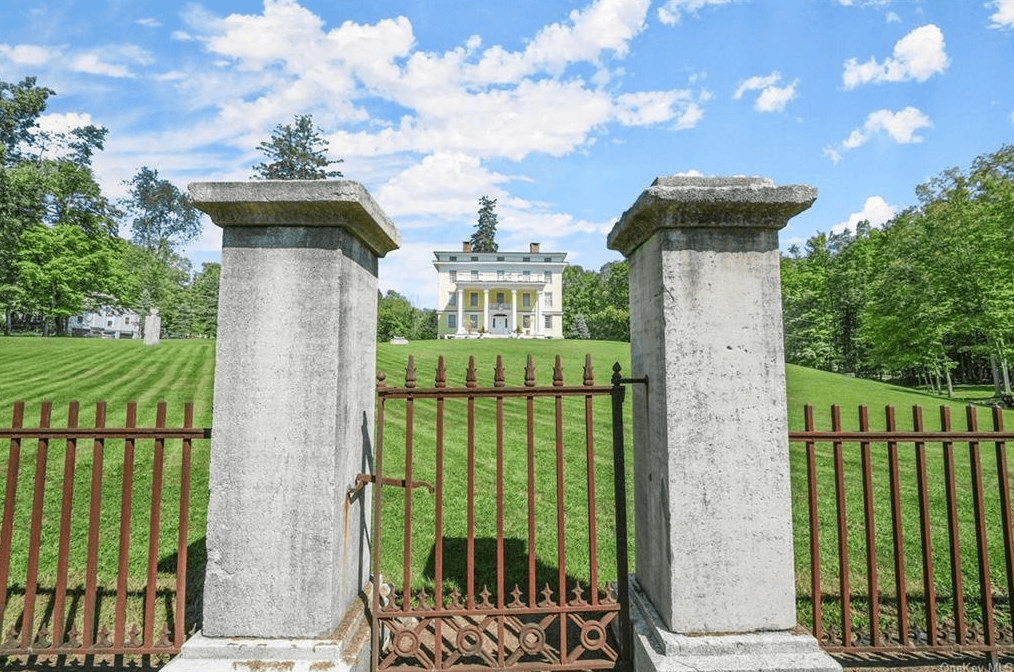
x: 712, y: 504
x: 657, y: 648
x: 294, y: 404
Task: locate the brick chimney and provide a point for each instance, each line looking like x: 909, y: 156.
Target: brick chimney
x: 533, y: 248
x: 466, y: 246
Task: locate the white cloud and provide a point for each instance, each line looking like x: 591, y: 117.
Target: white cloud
x: 671, y: 12
x: 149, y: 22
x: 1003, y: 18
x: 488, y: 103
x: 917, y: 56
x: 771, y: 98
x: 656, y: 107
x: 29, y: 54
x: 62, y: 123
x: 875, y: 210
x: 892, y: 17
x: 901, y: 127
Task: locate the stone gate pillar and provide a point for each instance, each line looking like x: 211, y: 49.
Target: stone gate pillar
x: 714, y: 586
x: 292, y: 421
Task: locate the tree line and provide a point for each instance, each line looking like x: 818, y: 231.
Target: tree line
x: 60, y: 252
x: 928, y: 298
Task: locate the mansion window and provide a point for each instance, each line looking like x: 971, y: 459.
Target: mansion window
x: 547, y: 300
x: 474, y: 321
x: 475, y: 275
x: 526, y: 258
x: 548, y: 275
x: 473, y: 299
x: 455, y: 258
x: 526, y: 300
x: 526, y: 321
x: 526, y: 276
x: 453, y: 275
x: 453, y: 301
x: 499, y: 275
x: 452, y: 321
x: 499, y: 297
x: 549, y: 321
x: 475, y: 259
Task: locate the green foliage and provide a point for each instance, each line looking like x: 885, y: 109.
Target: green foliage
x: 21, y: 105
x: 396, y: 316
x: 602, y: 300
x: 163, y: 218
x: 484, y: 237
x: 929, y: 296
x: 578, y: 328
x: 60, y: 266
x: 296, y: 153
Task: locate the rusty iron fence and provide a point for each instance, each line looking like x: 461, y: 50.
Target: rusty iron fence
x: 923, y: 555
x: 57, y: 539
x: 500, y: 453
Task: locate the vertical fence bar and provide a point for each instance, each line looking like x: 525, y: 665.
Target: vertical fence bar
x: 10, y: 497
x: 1003, y: 483
x: 843, y: 541
x: 498, y: 381
x: 179, y: 626
x: 530, y: 413
x: 126, y: 494
x: 470, y: 382
x: 94, y: 520
x: 35, y: 531
x: 900, y: 589
x: 589, y: 441
x: 377, y: 580
x: 154, y: 520
x: 981, y: 540
x: 957, y: 589
x: 561, y: 552
x: 66, y: 508
x: 922, y: 484
x: 406, y: 570
x: 438, y: 522
x: 816, y: 597
x: 620, y: 493
x: 872, y: 582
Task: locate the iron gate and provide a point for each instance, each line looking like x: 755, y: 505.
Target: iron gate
x: 491, y: 596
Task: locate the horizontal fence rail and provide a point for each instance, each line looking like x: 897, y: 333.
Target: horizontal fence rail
x: 507, y: 607
x: 72, y: 533
x: 910, y: 540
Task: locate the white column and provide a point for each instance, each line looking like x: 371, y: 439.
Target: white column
x: 461, y: 311
x: 538, y: 314
x: 514, y: 310
x: 485, y: 310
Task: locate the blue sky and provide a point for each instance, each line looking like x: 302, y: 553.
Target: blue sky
x: 563, y: 110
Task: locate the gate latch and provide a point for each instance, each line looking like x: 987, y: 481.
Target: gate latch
x: 363, y: 479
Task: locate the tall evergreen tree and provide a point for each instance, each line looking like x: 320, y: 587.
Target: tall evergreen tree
x: 296, y: 152
x: 484, y: 237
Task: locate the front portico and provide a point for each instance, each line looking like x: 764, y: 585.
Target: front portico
x: 500, y: 294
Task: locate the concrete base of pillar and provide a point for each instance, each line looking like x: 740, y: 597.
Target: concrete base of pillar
x: 656, y: 649
x: 223, y: 654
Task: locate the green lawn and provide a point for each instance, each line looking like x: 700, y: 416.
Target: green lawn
x: 34, y: 369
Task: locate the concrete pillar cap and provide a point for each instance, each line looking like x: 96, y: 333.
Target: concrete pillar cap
x: 340, y: 203
x: 681, y: 201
